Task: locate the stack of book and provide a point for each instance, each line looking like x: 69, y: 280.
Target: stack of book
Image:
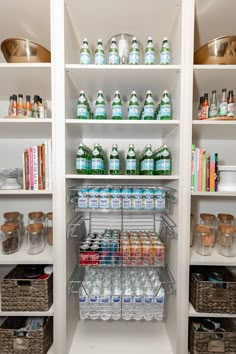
x: 37, y: 167
x: 204, y: 170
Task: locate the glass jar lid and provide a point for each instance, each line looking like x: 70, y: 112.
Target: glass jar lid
x: 35, y: 215
x: 207, y: 217
x: 11, y: 215
x: 37, y: 227
x: 9, y: 227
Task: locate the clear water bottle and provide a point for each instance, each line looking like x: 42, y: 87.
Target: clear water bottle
x: 84, y: 304
x: 148, y: 302
x: 116, y: 301
x: 94, y: 298
x: 105, y: 302
x: 127, y: 302
x: 138, y: 303
x: 159, y: 305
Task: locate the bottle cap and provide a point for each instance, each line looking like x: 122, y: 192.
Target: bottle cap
x: 113, y: 39
x: 149, y: 92
x: 100, y: 41
x: 117, y: 92
x: 225, y: 217
x: 165, y: 91
x: 165, y: 39
x: 100, y: 91
x: 48, y: 269
x: 82, y: 91
x: 134, y: 39
x: 50, y: 216
x: 35, y: 215
x: 133, y: 92
x: 149, y: 38
x: 85, y: 40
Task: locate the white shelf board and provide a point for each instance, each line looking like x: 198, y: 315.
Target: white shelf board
x: 126, y: 129
x: 25, y: 127
x: 24, y: 192
x: 22, y: 257
x: 215, y: 259
x: 122, y: 177
x: 51, y: 351
x: 213, y: 77
x: 213, y: 194
x: 204, y: 129
x: 194, y: 313
x: 121, y: 336
x: 24, y: 65
x: 25, y: 79
x: 109, y: 78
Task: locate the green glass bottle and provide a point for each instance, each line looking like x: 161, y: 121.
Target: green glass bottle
x: 133, y: 109
x: 165, y: 107
x: 150, y: 53
x: 85, y: 56
x: 114, y: 162
x: 82, y: 106
x: 113, y: 56
x: 99, y: 54
x: 165, y: 162
x: 131, y: 161
x: 134, y: 54
x: 100, y: 107
x: 148, y: 108
x: 97, y: 163
x: 148, y: 161
x: 165, y: 56
x: 116, y: 106
x: 81, y: 161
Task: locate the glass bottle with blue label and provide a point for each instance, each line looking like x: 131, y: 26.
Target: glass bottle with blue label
x: 148, y: 108
x: 165, y: 55
x: 133, y: 109
x: 85, y: 56
x: 100, y: 107
x: 97, y: 161
x: 116, y: 106
x: 165, y: 107
x: 99, y: 54
x: 147, y: 162
x: 113, y: 56
x: 81, y: 160
x: 131, y: 161
x: 150, y: 53
x: 82, y: 106
x: 134, y: 54
x: 114, y: 162
x: 165, y: 162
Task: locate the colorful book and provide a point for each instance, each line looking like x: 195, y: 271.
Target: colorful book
x: 196, y: 161
x: 216, y: 172
x: 192, y: 166
x: 40, y: 162
x: 31, y: 169
x: 212, y: 172
x: 43, y: 166
x: 199, y: 171
x: 204, y: 172
x: 208, y: 174
x: 35, y: 167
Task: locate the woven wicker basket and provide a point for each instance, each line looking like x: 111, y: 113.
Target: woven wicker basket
x: 19, y: 294
x: 34, y: 342
x: 205, y: 342
x: 207, y: 296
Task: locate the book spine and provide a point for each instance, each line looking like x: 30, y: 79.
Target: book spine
x: 26, y: 169
x: 40, y: 176
x: 43, y: 166
x: 35, y: 167
x: 50, y: 164
x: 212, y: 172
x: 192, y: 166
x: 208, y: 174
x: 23, y: 164
x: 216, y: 172
x: 196, y: 169
x: 31, y: 169
x: 46, y: 165
x: 204, y: 163
x: 199, y: 187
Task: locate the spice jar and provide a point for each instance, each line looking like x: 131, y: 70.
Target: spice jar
x: 227, y: 219
x: 50, y: 228
x: 10, y: 238
x: 204, y: 237
x: 35, y: 238
x: 191, y: 229
x: 210, y: 220
x: 226, y: 240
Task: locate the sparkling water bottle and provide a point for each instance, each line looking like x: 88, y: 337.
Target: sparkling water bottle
x: 116, y: 301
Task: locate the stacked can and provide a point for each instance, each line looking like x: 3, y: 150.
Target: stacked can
x: 90, y: 250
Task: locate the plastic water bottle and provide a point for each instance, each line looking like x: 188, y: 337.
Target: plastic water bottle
x: 138, y: 303
x: 84, y: 304
x: 159, y: 305
x: 148, y: 303
x: 94, y: 303
x: 116, y: 302
x: 105, y: 303
x: 127, y: 303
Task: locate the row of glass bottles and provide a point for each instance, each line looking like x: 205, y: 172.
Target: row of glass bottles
x: 211, y: 109
x: 39, y: 231
x: 163, y: 110
x: 151, y: 162
x: 134, y: 53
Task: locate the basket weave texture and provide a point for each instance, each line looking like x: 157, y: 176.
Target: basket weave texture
x: 38, y: 341
x: 19, y: 294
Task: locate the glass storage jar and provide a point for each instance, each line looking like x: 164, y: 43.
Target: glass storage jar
x: 35, y: 238
x: 50, y: 228
x: 210, y: 220
x: 10, y: 237
x: 203, y: 237
x: 35, y: 217
x: 14, y: 216
x: 227, y: 219
x: 226, y: 240
x: 191, y: 229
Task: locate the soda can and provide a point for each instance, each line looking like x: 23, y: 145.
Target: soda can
x: 147, y: 253
x: 126, y: 253
x: 154, y: 238
x: 84, y: 258
x: 94, y: 254
x: 124, y: 233
x: 144, y: 239
x: 158, y: 253
x: 105, y: 257
x: 134, y: 239
x: 114, y: 251
x: 136, y: 253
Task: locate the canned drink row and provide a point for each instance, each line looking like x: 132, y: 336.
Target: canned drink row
x: 136, y: 198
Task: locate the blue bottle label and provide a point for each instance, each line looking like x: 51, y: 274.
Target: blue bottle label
x: 148, y: 165
x: 165, y: 57
x: 133, y: 111
x: 82, y: 110
x: 85, y: 58
x: 131, y: 165
x: 150, y: 57
x: 113, y: 58
x: 99, y: 58
x: 134, y: 57
x: 117, y: 111
x: 164, y: 165
x: 100, y: 110
x: 97, y: 163
x: 148, y: 111
x: 81, y: 163
x: 165, y: 110
x: 114, y: 164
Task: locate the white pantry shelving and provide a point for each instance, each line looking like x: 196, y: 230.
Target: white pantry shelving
x: 193, y: 313
x: 214, y: 259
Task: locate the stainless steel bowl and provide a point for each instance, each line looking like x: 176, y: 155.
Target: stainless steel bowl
x: 220, y: 50
x: 20, y: 50
x: 124, y: 41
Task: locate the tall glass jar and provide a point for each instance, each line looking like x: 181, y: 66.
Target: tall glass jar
x: 203, y: 239
x: 35, y: 238
x: 226, y: 240
x: 35, y: 217
x: 191, y: 230
x: 10, y: 238
x: 226, y: 219
x: 50, y: 228
x: 210, y: 220
x: 14, y: 216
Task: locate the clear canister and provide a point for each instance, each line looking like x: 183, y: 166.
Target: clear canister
x: 14, y: 216
x: 191, y: 229
x: 210, y: 220
x: 10, y: 237
x: 226, y: 240
x: 35, y: 217
x: 50, y: 228
x: 35, y: 238
x: 226, y: 219
x: 203, y: 239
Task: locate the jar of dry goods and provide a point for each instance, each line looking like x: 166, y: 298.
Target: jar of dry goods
x: 35, y: 238
x: 10, y: 237
x: 227, y: 219
x: 226, y: 240
x: 203, y: 238
x: 50, y: 228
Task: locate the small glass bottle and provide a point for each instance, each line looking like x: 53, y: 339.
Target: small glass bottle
x: 210, y: 220
x: 35, y: 238
x: 203, y: 237
x: 226, y: 219
x: 50, y: 228
x: 10, y: 238
x: 226, y: 240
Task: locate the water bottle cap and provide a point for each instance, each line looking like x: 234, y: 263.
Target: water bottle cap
x: 165, y: 91
x: 113, y: 39
x: 134, y: 39
x: 100, y: 91
x: 85, y: 40
x: 133, y: 92
x: 165, y: 39
x: 149, y: 38
x: 100, y: 40
x: 82, y: 91
x: 117, y: 92
x: 149, y: 92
